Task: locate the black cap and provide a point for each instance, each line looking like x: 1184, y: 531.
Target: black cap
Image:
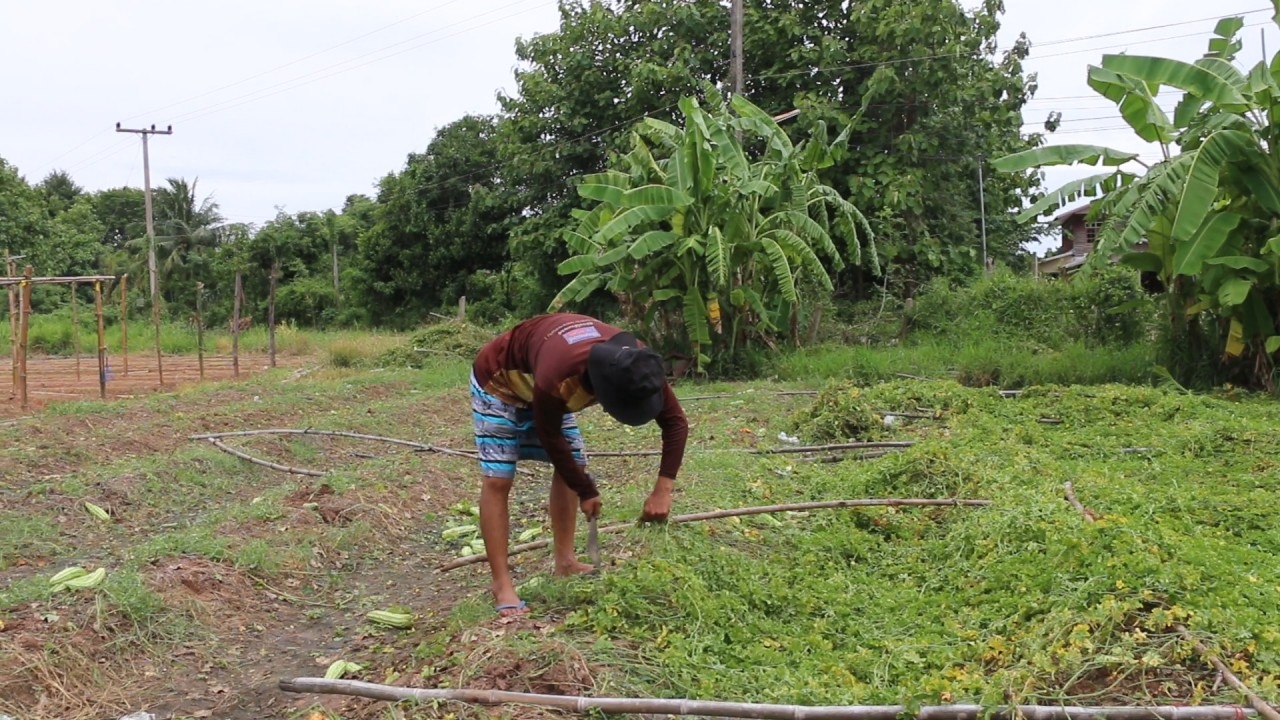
x: 628, y: 379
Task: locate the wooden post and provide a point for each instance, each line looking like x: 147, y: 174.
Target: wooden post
x: 102, y: 340
x: 200, y: 328
x: 75, y: 330
x: 14, y: 311
x: 235, y: 328
x: 462, y: 308
x: 124, y: 321
x: 24, y: 324
x: 271, y: 312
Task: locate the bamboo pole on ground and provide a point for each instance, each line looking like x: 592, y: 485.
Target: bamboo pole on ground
x: 235, y: 327
x: 24, y: 326
x: 264, y: 463
x: 1258, y: 703
x: 740, y: 512
x: 124, y: 321
x: 759, y: 711
x: 75, y: 330
x: 200, y: 328
x: 102, y: 341
x: 271, y: 313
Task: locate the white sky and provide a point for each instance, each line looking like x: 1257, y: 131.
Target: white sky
x: 298, y: 103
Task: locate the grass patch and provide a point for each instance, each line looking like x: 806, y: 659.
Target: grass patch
x: 1021, y: 600
x: 978, y: 364
x: 26, y: 534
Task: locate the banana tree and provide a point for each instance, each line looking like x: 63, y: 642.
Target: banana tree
x: 706, y: 243
x: 1209, y: 210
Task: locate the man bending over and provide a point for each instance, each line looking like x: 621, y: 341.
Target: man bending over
x: 526, y: 385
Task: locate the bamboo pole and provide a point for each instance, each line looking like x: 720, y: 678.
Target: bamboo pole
x: 768, y: 451
x: 200, y: 328
x: 1070, y: 492
x: 759, y: 711
x: 264, y: 463
x: 24, y: 326
x: 1258, y: 703
x: 124, y: 321
x: 606, y: 453
x: 825, y: 448
x: 13, y: 323
x: 75, y: 330
x: 739, y: 512
x: 779, y: 393
x: 420, y: 447
x: 271, y: 313
x: 338, y: 433
x: 235, y: 327
x: 102, y: 341
x: 19, y: 279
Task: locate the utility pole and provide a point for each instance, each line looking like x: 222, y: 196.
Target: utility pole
x: 152, y: 269
x: 146, y: 184
x: 735, y: 46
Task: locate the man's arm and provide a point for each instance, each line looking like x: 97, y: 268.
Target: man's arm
x: 675, y: 434
x: 548, y: 417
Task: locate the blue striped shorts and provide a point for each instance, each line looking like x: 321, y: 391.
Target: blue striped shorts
x: 505, y: 434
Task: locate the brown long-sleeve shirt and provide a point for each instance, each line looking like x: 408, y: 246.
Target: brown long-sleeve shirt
x: 541, y: 363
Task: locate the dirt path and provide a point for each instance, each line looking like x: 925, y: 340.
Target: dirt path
x: 239, y: 575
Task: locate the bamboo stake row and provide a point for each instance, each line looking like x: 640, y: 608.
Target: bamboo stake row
x: 760, y: 711
x: 19, y: 295
x: 740, y: 512
x: 20, y: 324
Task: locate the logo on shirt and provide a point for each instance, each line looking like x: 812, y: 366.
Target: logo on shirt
x: 580, y: 334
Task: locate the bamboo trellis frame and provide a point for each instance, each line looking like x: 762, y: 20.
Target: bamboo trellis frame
x: 21, y: 322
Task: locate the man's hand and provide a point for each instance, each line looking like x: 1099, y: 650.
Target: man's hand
x: 591, y: 508
x: 658, y: 505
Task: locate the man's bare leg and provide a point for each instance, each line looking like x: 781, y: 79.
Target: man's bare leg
x: 564, y: 517
x: 495, y: 528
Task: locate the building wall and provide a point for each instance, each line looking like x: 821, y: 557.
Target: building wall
x: 1076, y: 235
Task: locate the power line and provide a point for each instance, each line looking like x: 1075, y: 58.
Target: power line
x: 304, y: 58
x: 214, y: 107
x: 258, y: 94
x: 108, y: 152
x: 1130, y: 44
x: 962, y: 53
x: 255, y: 76
x: 286, y: 85
x: 876, y: 64
x: 1157, y: 27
